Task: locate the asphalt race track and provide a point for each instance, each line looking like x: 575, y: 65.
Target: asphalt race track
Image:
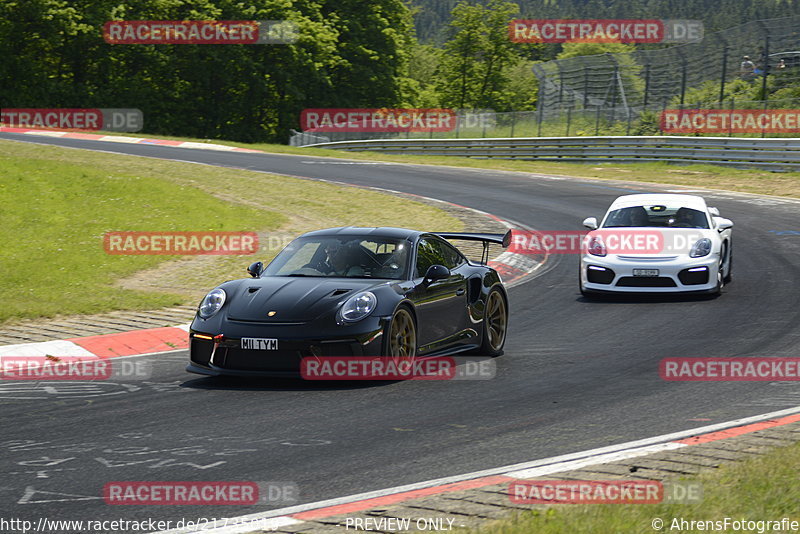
x: 576, y: 374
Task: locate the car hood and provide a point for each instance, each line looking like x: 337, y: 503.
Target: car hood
x: 293, y: 299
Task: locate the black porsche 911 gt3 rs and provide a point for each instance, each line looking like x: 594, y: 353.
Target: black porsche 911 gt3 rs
x: 352, y: 292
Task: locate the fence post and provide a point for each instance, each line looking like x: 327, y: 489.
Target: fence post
x: 569, y: 120
x: 585, y: 81
x: 541, y: 116
x: 646, y: 85
x: 730, y: 122
x: 513, y: 121
x: 724, y: 75
x: 614, y: 94
x: 597, y: 122
x: 683, y: 76
x: 766, y: 70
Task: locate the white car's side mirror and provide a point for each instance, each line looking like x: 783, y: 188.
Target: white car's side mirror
x: 713, y: 211
x: 590, y: 223
x: 723, y: 223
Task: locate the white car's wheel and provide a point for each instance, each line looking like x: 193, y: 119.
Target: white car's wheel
x: 728, y: 271
x: 720, y: 281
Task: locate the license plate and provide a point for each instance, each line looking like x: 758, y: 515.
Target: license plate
x: 645, y: 272
x: 259, y: 343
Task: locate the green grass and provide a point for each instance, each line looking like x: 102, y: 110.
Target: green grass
x: 55, y: 214
x: 763, y: 488
x: 56, y: 204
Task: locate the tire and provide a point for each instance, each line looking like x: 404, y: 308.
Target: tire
x: 401, y: 336
x: 717, y: 291
x: 728, y: 274
x: 495, y: 324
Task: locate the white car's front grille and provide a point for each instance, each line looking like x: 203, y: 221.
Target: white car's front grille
x: 643, y: 259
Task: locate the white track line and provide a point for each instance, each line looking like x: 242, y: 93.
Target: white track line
x: 555, y: 464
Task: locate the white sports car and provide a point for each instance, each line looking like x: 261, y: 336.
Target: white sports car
x: 657, y: 243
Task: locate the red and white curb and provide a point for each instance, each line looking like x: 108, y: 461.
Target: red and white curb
x: 130, y: 140
x: 133, y: 343
x: 297, y: 515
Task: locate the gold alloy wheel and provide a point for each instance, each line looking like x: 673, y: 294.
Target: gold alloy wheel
x: 402, y: 335
x: 496, y: 320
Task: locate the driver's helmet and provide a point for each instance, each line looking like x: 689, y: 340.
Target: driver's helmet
x: 683, y: 216
x: 344, y: 256
x: 638, y: 216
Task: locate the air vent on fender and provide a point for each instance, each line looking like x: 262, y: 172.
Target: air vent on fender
x: 337, y: 292
x: 474, y: 288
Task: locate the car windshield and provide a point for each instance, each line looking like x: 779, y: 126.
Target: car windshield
x: 342, y: 256
x: 656, y: 215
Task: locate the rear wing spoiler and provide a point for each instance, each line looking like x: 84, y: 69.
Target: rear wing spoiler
x: 503, y: 240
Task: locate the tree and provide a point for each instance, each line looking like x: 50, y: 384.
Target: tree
x: 473, y: 72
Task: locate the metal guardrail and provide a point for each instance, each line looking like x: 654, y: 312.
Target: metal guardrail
x: 775, y: 153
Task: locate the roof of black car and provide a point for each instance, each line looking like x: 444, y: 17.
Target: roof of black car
x: 381, y: 231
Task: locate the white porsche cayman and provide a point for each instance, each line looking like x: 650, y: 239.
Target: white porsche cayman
x: 657, y: 243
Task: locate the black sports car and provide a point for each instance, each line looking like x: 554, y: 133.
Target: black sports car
x: 352, y: 292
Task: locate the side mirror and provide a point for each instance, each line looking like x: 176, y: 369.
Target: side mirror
x: 713, y: 211
x: 723, y: 223
x: 590, y: 223
x: 255, y: 269
x: 437, y: 272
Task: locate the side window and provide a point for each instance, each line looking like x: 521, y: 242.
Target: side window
x: 435, y: 252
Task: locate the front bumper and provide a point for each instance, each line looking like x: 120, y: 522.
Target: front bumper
x: 223, y: 355
x: 676, y: 274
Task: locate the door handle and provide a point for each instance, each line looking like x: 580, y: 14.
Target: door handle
x: 460, y: 291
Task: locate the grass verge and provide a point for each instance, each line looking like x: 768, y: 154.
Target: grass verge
x: 763, y: 488
x: 56, y: 204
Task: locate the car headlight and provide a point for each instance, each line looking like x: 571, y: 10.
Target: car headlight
x: 701, y: 248
x: 358, y: 306
x: 596, y: 247
x: 212, y: 303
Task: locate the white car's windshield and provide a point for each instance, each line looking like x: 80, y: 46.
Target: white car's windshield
x: 656, y: 215
x: 342, y: 256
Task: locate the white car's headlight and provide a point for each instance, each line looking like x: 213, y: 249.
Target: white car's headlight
x: 701, y: 248
x: 358, y: 306
x: 212, y: 303
x: 596, y: 247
